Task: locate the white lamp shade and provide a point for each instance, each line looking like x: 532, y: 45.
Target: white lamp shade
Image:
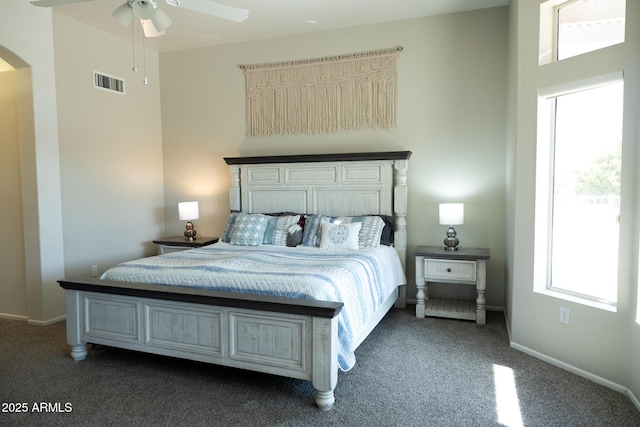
x: 188, y: 210
x: 451, y: 213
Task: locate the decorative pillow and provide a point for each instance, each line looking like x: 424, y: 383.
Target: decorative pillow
x: 312, y: 229
x: 387, y: 232
x: 226, y: 236
x: 294, y: 235
x: 340, y: 235
x: 248, y: 229
x: 370, y: 232
x: 277, y: 229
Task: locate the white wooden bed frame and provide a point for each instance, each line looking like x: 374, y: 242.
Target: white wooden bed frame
x: 289, y: 337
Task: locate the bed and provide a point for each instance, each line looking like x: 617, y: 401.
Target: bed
x: 308, y: 326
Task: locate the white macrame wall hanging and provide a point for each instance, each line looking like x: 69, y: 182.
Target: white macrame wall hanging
x: 322, y: 95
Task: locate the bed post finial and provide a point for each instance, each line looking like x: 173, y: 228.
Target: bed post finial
x: 234, y: 191
x: 400, y: 208
x: 400, y: 219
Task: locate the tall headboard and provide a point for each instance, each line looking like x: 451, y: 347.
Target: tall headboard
x: 330, y: 184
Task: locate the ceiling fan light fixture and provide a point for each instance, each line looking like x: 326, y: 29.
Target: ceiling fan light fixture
x: 161, y: 21
x: 144, y: 9
x: 123, y: 15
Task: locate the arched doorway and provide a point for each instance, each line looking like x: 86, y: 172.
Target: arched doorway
x: 16, y: 124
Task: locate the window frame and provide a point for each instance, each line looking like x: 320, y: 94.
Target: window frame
x: 544, y: 174
x: 549, y: 28
x: 556, y: 27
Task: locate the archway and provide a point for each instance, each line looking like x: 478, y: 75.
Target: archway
x: 16, y: 133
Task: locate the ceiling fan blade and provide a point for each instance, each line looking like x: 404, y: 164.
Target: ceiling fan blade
x: 161, y: 21
x: 124, y: 15
x: 150, y: 30
x: 210, y: 8
x: 52, y: 3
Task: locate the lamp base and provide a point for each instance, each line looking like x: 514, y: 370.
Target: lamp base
x: 451, y: 242
x: 190, y: 232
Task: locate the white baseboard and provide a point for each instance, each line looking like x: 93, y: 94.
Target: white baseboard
x: 572, y: 369
x: 506, y: 321
x: 633, y: 399
x: 13, y: 317
x: 588, y: 375
x: 32, y: 322
x: 47, y: 322
x: 567, y: 367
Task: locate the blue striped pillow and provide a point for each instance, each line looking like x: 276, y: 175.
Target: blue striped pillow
x: 278, y: 228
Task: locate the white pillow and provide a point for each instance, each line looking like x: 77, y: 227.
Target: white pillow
x: 340, y: 236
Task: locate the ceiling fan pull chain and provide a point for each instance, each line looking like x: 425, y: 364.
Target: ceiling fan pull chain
x: 144, y: 60
x: 133, y: 44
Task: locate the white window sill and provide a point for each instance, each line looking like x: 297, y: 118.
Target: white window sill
x: 584, y: 301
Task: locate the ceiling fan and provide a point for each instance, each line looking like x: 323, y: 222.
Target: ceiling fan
x: 154, y: 20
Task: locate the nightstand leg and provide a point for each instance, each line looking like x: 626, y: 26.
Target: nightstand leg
x: 481, y: 286
x: 420, y: 285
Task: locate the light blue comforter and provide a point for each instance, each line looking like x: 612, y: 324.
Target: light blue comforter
x: 361, y: 279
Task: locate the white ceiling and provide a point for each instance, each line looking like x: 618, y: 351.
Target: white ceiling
x: 267, y: 18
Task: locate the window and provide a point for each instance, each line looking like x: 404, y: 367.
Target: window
x: 584, y: 203
x: 570, y: 28
x: 579, y: 154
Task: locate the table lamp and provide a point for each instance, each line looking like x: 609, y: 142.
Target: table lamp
x: 451, y: 214
x: 188, y: 211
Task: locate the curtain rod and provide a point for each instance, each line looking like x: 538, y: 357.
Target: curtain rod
x: 322, y: 59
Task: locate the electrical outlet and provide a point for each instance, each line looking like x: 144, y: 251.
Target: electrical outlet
x: 564, y: 315
x: 94, y: 270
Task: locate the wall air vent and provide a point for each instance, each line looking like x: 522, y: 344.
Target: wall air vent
x: 109, y: 83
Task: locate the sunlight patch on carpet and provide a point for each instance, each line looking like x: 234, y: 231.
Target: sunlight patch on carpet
x: 507, y: 404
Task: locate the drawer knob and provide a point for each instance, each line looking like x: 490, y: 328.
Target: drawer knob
x: 449, y: 269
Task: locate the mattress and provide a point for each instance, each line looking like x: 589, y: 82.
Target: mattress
x: 361, y: 279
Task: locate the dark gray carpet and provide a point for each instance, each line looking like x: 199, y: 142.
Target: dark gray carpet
x: 409, y: 372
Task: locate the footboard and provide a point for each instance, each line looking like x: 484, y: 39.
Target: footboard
x: 276, y: 335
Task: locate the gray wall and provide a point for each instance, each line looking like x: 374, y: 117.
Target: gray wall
x: 597, y: 343
x: 31, y: 53
x: 451, y: 115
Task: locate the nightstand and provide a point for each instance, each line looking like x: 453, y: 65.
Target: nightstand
x: 465, y: 266
x: 179, y: 243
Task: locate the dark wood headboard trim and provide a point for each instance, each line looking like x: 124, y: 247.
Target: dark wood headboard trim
x: 336, y: 157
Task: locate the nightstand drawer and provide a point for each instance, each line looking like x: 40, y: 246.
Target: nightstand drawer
x: 435, y: 269
x: 167, y: 249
